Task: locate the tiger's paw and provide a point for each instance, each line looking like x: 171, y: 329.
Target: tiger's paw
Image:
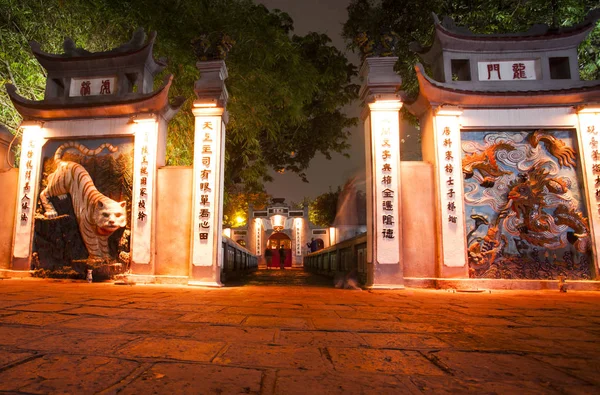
x: 51, y: 214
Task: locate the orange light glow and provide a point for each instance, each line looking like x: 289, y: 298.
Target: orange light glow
x: 205, y: 103
x: 391, y: 105
x: 144, y: 118
x: 589, y: 110
x: 449, y: 111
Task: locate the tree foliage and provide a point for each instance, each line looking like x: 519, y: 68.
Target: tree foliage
x: 236, y: 204
x: 388, y: 26
x: 285, y: 90
x: 346, y: 206
x: 323, y: 209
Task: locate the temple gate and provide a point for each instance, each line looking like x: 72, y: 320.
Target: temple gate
x: 102, y: 130
x: 508, y: 190
x: 512, y: 134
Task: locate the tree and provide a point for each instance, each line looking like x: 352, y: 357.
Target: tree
x: 346, y: 206
x: 323, y: 209
x: 388, y: 27
x: 304, y: 202
x: 285, y: 90
x: 236, y: 204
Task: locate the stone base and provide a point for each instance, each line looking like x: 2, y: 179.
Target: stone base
x: 181, y: 280
x: 209, y: 284
x: 7, y: 273
x: 497, y: 284
x: 151, y: 279
x: 135, y: 279
x: 387, y: 286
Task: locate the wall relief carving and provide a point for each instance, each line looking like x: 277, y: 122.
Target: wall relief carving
x: 525, y: 212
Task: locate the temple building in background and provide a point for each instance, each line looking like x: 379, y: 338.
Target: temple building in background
x: 280, y: 226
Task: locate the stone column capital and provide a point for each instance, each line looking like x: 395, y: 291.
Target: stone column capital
x: 211, y: 85
x: 380, y: 81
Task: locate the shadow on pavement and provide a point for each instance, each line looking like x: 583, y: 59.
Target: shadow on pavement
x: 287, y: 277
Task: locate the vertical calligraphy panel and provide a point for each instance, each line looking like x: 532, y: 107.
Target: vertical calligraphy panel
x: 298, y: 226
x: 589, y: 137
x: 144, y: 173
x: 207, y: 190
x: 386, y: 181
x: 258, y: 235
x: 447, y: 141
x: 29, y: 171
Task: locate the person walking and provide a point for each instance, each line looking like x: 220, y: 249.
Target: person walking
x: 312, y: 246
x: 268, y: 257
x: 281, y: 257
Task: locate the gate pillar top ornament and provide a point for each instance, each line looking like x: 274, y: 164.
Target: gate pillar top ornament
x: 210, y: 89
x: 380, y: 81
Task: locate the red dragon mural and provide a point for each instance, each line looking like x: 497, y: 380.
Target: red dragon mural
x: 528, y: 195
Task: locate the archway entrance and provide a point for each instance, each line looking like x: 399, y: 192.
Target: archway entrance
x: 275, y: 243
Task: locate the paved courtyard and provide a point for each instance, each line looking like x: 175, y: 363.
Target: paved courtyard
x: 290, y: 333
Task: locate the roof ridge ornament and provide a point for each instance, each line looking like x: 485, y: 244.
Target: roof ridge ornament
x: 212, y: 46
x: 138, y: 38
x: 539, y: 29
x: 71, y: 50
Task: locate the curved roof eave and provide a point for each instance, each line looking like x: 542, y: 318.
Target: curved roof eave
x: 156, y: 102
x: 433, y: 93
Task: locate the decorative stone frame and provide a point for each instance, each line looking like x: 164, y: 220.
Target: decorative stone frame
x: 38, y: 133
x: 452, y: 248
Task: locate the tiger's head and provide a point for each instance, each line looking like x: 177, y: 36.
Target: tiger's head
x: 109, y: 216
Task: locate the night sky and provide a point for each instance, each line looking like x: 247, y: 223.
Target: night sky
x: 322, y: 17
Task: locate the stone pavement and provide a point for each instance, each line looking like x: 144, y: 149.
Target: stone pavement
x: 74, y: 337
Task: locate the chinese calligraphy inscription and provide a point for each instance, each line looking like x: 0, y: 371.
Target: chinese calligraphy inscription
x: 507, y: 70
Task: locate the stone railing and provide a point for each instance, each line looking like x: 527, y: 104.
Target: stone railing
x: 344, y: 257
x: 236, y: 259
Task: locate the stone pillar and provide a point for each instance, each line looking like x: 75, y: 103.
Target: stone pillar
x: 29, y: 179
x: 589, y: 126
x: 209, y: 163
x: 382, y: 145
x: 6, y: 155
x: 143, y: 219
x: 452, y: 250
x: 8, y: 180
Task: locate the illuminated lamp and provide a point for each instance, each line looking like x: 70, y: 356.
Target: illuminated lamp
x: 31, y: 125
x: 449, y: 111
x: 143, y: 118
x: 382, y: 105
x: 205, y: 103
x: 332, y: 235
x: 239, y: 219
x: 589, y: 110
x: 277, y: 221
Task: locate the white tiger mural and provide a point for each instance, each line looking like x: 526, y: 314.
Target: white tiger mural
x: 98, y: 216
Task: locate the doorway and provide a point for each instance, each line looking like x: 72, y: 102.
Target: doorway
x: 275, y: 243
